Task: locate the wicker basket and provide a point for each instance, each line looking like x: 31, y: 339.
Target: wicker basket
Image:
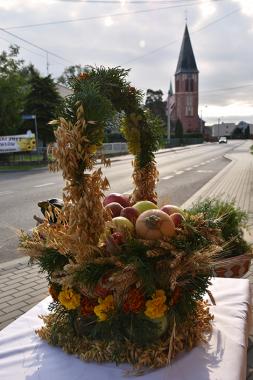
x: 235, y: 267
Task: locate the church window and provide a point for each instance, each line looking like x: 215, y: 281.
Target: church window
x: 189, y: 85
x: 189, y: 106
x: 177, y: 85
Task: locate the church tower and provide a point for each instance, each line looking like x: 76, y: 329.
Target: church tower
x: 187, y: 88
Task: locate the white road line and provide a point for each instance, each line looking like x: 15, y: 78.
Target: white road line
x: 204, y: 171
x: 188, y: 169
x: 45, y: 184
x: 6, y: 192
x: 168, y: 177
x: 203, y: 163
x: 179, y: 172
x: 195, y: 166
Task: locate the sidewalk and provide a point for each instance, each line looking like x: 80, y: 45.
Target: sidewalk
x: 18, y: 281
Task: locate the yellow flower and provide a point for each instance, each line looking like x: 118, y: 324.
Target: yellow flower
x: 69, y: 299
x: 105, y: 306
x: 156, y: 307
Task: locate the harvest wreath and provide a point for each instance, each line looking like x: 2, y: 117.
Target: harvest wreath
x: 126, y: 278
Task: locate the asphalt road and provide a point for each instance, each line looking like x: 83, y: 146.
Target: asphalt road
x: 182, y: 173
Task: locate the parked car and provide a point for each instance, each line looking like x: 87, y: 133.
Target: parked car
x: 223, y: 140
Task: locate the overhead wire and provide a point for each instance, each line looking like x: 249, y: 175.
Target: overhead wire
x: 34, y: 45
x: 119, y: 14
x: 236, y: 10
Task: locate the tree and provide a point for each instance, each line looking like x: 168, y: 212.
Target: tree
x: 69, y: 73
x: 13, y: 91
x: 154, y: 102
x: 247, y: 132
x: 43, y: 101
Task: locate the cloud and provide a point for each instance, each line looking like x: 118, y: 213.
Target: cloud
x: 149, y: 43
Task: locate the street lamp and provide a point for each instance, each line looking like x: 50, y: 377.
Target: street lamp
x: 218, y: 127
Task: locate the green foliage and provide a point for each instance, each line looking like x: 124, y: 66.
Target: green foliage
x: 251, y: 149
x: 154, y: 102
x: 105, y: 93
x: 13, y: 91
x: 43, y: 101
x: 135, y: 252
x: 121, y: 326
x: 51, y: 261
x: 193, y: 291
x: 225, y: 215
x: 91, y: 273
x: 70, y: 73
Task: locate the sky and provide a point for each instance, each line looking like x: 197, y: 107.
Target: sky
x: 144, y: 36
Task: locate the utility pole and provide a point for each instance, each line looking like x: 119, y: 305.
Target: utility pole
x: 47, y: 63
x: 170, y: 93
x: 218, y: 127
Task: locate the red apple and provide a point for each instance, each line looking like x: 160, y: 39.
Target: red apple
x: 116, y: 197
x: 177, y: 219
x: 115, y: 209
x: 172, y: 209
x: 130, y: 213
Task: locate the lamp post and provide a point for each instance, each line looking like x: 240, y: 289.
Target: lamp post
x: 218, y: 127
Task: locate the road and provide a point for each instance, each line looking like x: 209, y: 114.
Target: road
x: 182, y: 173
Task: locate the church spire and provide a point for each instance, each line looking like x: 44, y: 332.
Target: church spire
x: 170, y: 92
x: 186, y: 61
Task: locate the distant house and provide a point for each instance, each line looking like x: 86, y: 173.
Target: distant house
x: 213, y: 132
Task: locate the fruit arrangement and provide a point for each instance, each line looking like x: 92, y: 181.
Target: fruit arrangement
x: 127, y: 278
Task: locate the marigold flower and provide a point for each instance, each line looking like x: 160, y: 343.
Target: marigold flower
x: 87, y: 306
x: 69, y: 299
x: 134, y: 302
x: 156, y: 307
x: 105, y: 306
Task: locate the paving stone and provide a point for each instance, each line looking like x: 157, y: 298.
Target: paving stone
x: 14, y: 307
x: 14, y: 300
x: 12, y: 315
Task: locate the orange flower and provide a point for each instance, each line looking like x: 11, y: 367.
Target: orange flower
x: 134, y: 302
x: 87, y: 306
x: 83, y: 75
x: 53, y: 292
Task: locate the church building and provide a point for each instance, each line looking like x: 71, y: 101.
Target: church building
x: 183, y: 105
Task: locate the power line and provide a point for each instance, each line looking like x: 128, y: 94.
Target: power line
x: 177, y: 40
x: 34, y: 45
x: 128, y: 1
x: 226, y: 88
x: 22, y: 47
x: 120, y: 14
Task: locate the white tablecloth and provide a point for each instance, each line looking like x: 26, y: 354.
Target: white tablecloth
x: 24, y: 356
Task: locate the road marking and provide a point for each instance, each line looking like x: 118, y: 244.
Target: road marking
x: 203, y: 163
x: 45, y: 184
x: 6, y: 192
x: 195, y: 166
x: 168, y: 177
x: 179, y: 172
x: 188, y: 169
x: 204, y: 171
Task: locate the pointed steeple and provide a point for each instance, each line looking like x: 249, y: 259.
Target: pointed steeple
x: 186, y: 61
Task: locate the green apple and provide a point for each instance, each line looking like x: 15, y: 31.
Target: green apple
x: 142, y: 206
